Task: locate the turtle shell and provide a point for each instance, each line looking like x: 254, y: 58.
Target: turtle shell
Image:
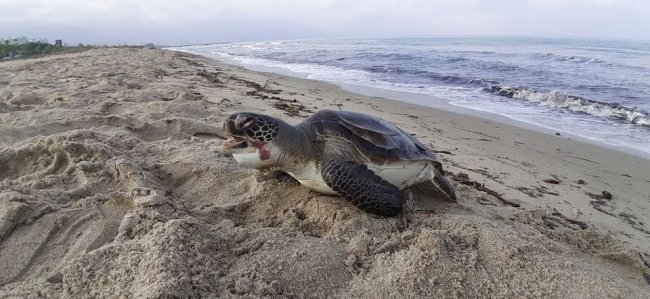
x: 378, y: 140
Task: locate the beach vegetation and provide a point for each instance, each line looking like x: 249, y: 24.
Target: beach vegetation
x: 35, y: 49
x: 27, y: 49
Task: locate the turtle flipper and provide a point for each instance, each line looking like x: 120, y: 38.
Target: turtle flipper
x: 442, y: 184
x: 362, y: 187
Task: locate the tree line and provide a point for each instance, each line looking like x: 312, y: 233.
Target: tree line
x: 28, y: 49
x: 38, y: 48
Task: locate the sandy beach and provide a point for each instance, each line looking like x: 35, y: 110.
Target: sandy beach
x: 112, y: 185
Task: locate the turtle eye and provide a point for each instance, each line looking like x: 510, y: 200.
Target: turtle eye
x: 245, y: 122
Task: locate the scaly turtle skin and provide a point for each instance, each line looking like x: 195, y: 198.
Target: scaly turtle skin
x: 362, y: 158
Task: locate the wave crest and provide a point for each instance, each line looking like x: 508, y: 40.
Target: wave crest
x: 559, y: 99
x: 569, y: 58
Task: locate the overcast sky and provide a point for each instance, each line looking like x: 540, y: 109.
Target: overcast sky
x: 174, y: 22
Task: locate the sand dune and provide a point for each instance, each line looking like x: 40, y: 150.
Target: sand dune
x: 111, y: 185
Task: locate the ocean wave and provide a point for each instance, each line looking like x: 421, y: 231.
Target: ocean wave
x: 384, y: 69
x: 488, y: 65
x: 385, y: 56
x: 454, y: 70
x: 451, y: 79
x: 569, y: 58
x: 258, y: 45
x: 275, y: 55
x: 425, y: 77
x: 559, y: 99
x: 456, y: 59
x: 457, y: 80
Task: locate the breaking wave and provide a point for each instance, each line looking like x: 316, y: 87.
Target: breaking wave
x: 574, y: 103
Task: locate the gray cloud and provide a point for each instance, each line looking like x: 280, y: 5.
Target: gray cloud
x: 182, y: 22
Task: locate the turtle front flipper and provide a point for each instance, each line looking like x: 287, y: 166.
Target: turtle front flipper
x: 362, y: 187
x: 442, y: 184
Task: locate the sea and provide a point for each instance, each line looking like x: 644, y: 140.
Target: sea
x: 598, y: 90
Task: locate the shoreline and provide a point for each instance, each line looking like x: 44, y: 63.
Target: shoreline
x: 113, y: 185
x: 423, y: 100
x: 576, y: 159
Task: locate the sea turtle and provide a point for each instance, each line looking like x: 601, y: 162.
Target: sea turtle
x: 360, y: 157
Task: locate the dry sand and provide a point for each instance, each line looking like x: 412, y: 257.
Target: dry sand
x: 111, y: 185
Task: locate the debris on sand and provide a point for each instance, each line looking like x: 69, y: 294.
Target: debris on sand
x: 291, y: 107
x: 606, y: 195
x: 603, y: 195
x: 212, y: 77
x: 463, y: 178
x: 557, y: 219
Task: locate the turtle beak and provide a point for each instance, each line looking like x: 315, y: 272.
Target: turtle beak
x: 235, y: 144
x: 237, y: 123
x: 230, y: 127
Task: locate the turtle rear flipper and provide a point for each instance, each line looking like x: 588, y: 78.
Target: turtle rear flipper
x: 362, y: 187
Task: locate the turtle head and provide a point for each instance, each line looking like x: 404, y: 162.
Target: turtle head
x: 252, y: 139
x: 252, y: 126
